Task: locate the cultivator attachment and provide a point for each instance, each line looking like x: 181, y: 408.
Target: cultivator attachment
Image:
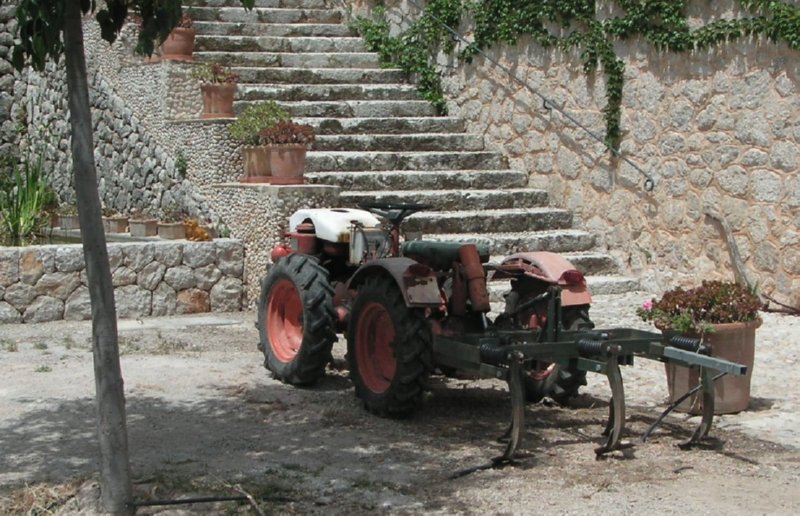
x: 506, y: 354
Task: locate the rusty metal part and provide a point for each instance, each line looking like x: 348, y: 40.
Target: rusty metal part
x: 475, y: 276
x: 417, y: 282
x: 707, y: 384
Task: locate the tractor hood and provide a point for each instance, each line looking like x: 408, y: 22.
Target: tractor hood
x: 333, y: 224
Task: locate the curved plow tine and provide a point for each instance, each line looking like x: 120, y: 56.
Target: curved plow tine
x: 707, y: 384
x: 517, y: 390
x: 616, y: 411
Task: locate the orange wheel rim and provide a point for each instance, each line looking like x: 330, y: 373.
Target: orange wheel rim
x: 375, y: 334
x: 285, y: 321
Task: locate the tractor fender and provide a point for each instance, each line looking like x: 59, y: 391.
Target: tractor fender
x: 417, y: 282
x: 550, y: 268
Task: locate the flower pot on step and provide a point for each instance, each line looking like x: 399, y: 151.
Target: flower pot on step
x: 734, y: 342
x: 171, y: 230
x: 276, y: 164
x: 179, y: 45
x: 69, y: 222
x: 218, y: 100
x: 143, y: 227
x: 115, y: 224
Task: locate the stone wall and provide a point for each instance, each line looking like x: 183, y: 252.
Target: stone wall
x: 48, y: 283
x: 8, y: 120
x: 261, y: 213
x: 718, y: 130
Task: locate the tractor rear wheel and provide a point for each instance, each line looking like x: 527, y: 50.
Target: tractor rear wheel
x: 552, y: 380
x: 296, y: 319
x: 388, y: 349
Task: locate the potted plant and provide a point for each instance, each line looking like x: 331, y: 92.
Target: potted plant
x: 179, y: 45
x: 274, y: 147
x: 68, y: 216
x: 725, y: 315
x: 170, y: 225
x: 218, y: 85
x: 142, y: 224
x: 114, y: 222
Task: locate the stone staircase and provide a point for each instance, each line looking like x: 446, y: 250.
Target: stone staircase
x: 378, y: 141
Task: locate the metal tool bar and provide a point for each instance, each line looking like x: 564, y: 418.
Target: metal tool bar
x: 689, y: 358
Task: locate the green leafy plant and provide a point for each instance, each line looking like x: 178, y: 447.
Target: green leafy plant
x: 23, y: 200
x: 287, y: 133
x: 214, y: 73
x: 255, y: 119
x: 572, y: 26
x: 181, y: 164
x: 696, y: 310
x: 173, y: 213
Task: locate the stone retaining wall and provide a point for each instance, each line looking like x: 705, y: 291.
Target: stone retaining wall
x: 48, y: 283
x: 718, y: 129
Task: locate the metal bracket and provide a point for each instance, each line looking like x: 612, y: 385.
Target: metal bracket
x: 517, y: 390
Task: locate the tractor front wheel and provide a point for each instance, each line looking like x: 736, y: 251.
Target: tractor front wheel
x: 296, y: 319
x: 388, y: 348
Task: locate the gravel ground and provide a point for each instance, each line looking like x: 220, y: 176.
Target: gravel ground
x: 204, y: 415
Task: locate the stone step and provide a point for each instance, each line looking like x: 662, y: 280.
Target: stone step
x: 252, y: 74
x: 321, y: 161
x: 318, y: 92
x: 439, y: 200
x: 489, y: 221
x: 351, y: 108
x: 556, y: 241
x: 264, y: 15
x: 598, y: 286
x: 399, y: 142
x: 292, y: 4
x: 404, y: 180
x: 240, y: 43
x: 384, y: 125
x: 588, y: 262
x: 291, y: 60
x: 322, y: 30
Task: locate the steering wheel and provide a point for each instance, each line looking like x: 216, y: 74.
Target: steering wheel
x: 394, y: 212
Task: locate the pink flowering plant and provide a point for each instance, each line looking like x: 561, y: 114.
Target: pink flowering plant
x: 697, y: 310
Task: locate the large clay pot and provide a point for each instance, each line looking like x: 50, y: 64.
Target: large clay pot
x: 179, y: 45
x: 218, y: 100
x: 288, y: 163
x: 256, y: 164
x: 734, y: 342
x: 276, y: 164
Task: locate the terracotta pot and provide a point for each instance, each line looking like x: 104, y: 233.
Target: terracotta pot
x: 256, y: 164
x: 276, y: 164
x: 143, y: 227
x: 171, y: 230
x: 115, y: 224
x: 218, y: 100
x: 734, y: 342
x: 179, y: 45
x: 69, y: 222
x: 288, y: 163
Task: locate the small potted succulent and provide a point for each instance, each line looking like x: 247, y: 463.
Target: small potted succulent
x: 114, y: 222
x: 725, y: 315
x: 143, y: 223
x: 170, y: 224
x: 275, y: 147
x: 179, y: 45
x: 218, y: 85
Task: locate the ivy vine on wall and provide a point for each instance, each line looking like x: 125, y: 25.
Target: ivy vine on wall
x: 661, y: 22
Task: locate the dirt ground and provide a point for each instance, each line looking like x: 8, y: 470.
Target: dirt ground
x: 205, y: 418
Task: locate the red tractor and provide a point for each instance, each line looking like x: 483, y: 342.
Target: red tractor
x: 411, y: 308
x: 346, y: 270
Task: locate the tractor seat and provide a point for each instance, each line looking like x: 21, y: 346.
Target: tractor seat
x: 438, y: 255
